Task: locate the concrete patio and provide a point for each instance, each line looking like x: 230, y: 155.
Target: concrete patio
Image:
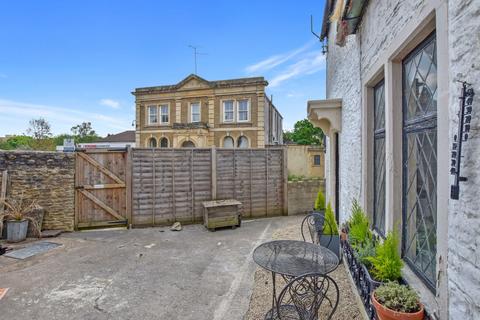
x: 151, y: 273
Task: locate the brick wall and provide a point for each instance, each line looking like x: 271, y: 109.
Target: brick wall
x: 302, y: 195
x: 47, y: 177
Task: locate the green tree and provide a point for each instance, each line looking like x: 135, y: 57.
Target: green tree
x: 39, y: 129
x: 83, y: 130
x: 304, y: 133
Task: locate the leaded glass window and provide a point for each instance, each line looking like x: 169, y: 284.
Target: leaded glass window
x: 379, y: 158
x: 420, y: 160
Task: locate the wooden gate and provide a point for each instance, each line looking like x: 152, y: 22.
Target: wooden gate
x: 102, y: 184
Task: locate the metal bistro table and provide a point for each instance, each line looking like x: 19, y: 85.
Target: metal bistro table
x: 292, y: 258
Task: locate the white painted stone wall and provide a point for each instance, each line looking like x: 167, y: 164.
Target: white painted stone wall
x: 381, y: 24
x: 343, y: 81
x: 464, y: 214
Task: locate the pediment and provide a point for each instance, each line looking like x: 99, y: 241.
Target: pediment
x: 193, y: 82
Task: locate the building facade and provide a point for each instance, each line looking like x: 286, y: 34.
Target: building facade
x: 199, y: 113
x: 306, y: 161
x: 393, y: 89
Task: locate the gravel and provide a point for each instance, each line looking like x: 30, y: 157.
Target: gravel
x: 261, y: 299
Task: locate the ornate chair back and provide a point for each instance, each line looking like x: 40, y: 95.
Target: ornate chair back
x: 312, y: 229
x: 308, y: 297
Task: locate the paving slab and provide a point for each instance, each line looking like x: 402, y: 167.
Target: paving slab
x: 150, y: 273
x: 32, y: 250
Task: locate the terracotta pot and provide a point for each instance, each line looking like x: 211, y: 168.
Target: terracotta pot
x: 385, y: 313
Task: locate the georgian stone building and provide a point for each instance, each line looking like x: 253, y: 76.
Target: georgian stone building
x: 199, y: 113
x: 394, y: 73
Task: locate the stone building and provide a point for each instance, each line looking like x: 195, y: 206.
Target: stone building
x: 195, y: 112
x: 306, y: 160
x: 390, y: 114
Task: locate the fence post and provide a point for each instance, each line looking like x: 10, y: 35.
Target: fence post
x: 154, y: 182
x: 128, y: 185
x: 214, y: 173
x: 285, y: 180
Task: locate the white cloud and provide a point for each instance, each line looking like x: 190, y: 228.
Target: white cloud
x: 110, y: 103
x: 309, y: 64
x: 3, y: 76
x: 278, y: 59
x: 61, y: 119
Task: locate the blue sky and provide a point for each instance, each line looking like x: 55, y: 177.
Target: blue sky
x: 75, y: 61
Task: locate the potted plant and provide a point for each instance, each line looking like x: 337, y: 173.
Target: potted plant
x: 320, y: 202
x: 17, y: 219
x: 396, y: 301
x: 330, y: 237
x: 386, y: 264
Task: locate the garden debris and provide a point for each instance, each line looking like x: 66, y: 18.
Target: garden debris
x: 30, y: 251
x: 177, y: 226
x: 3, y: 292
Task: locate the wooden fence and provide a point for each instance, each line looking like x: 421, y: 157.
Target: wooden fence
x: 170, y: 184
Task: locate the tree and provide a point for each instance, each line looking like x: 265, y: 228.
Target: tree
x: 39, y: 129
x: 17, y: 142
x: 83, y: 130
x: 304, y: 133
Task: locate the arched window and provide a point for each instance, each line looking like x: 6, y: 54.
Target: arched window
x: 188, y: 144
x: 164, y: 143
x: 152, y: 142
x: 242, y: 142
x: 228, y: 142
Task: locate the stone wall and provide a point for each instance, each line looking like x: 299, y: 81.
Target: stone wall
x: 344, y: 82
x: 302, y: 195
x: 47, y: 177
x: 464, y: 214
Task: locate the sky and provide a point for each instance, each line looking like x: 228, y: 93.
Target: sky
x: 76, y: 61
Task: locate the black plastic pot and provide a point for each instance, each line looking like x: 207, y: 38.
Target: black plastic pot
x: 332, y: 243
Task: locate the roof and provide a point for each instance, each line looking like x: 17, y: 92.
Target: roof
x: 125, y: 136
x: 212, y: 84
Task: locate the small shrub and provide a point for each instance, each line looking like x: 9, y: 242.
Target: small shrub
x: 364, y: 253
x: 330, y: 225
x: 320, y: 201
x: 397, y: 297
x: 359, y: 230
x: 387, y: 264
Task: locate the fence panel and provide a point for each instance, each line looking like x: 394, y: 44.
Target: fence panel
x: 170, y: 184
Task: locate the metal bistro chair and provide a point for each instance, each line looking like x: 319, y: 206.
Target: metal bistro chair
x: 314, y: 223
x: 308, y: 297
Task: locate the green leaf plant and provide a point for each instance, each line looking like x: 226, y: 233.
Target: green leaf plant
x: 330, y: 226
x: 387, y: 263
x: 320, y: 201
x: 397, y: 297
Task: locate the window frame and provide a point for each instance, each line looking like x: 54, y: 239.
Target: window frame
x: 224, y: 120
x: 199, y: 111
x: 414, y: 125
x: 377, y: 135
x: 152, y: 139
x: 160, y: 106
x: 152, y: 107
x: 237, y: 103
x: 317, y: 156
x: 163, y: 139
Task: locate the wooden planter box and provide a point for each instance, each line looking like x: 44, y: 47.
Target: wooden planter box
x: 221, y: 213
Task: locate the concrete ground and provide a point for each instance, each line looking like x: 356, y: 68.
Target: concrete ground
x: 149, y: 273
